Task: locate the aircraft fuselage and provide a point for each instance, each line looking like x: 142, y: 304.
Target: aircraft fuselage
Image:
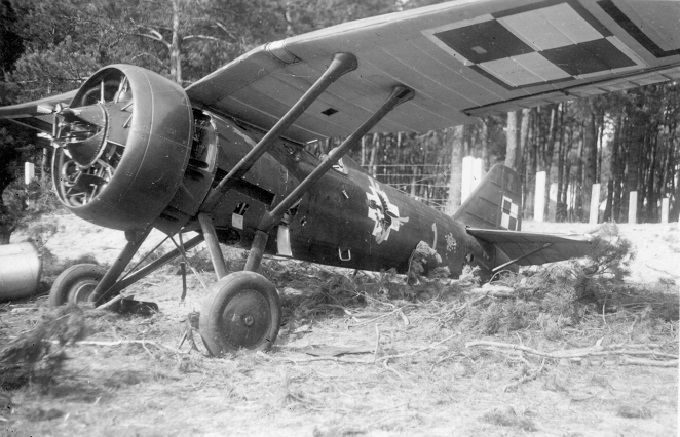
x: 347, y: 219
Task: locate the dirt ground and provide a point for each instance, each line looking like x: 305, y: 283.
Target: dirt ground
x: 352, y: 358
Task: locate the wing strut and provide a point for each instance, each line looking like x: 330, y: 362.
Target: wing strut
x: 511, y: 262
x: 399, y: 95
x: 342, y: 63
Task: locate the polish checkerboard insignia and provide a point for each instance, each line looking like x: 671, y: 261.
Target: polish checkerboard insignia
x: 543, y: 43
x: 509, y: 214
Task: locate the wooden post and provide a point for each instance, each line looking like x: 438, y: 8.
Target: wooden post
x: 632, y: 208
x: 539, y: 197
x: 595, y: 205
x: 477, y: 172
x: 466, y: 178
x: 665, y: 204
x: 29, y: 172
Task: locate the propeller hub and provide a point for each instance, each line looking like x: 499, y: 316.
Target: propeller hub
x: 83, y: 133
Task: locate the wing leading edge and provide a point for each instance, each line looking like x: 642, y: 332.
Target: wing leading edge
x: 462, y: 58
x: 530, y: 248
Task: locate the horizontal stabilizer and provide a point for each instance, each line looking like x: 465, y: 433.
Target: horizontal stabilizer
x: 530, y: 248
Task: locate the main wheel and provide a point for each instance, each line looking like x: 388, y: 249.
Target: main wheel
x: 75, y: 284
x: 243, y: 311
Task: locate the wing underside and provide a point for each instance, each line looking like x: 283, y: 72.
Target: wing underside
x: 531, y: 248
x: 37, y: 115
x: 463, y: 58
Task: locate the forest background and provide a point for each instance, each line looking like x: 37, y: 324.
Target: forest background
x: 626, y: 141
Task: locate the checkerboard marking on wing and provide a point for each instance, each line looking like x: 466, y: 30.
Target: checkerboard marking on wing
x: 524, y: 47
x: 509, y: 214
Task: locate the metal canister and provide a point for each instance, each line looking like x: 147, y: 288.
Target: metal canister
x: 20, y: 268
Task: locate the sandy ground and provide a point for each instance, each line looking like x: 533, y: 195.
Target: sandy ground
x: 422, y: 380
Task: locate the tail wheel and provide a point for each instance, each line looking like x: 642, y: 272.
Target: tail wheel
x: 243, y: 311
x: 75, y: 284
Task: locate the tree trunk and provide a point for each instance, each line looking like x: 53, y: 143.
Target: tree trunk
x: 175, y: 48
x: 456, y: 169
x: 485, y: 142
x: 590, y: 151
x: 633, y: 172
x: 608, y: 205
x: 414, y: 180
x: 526, y: 168
x: 652, y: 215
x: 374, y: 148
x: 675, y: 209
x: 578, y: 183
x: 618, y: 172
x: 548, y: 155
x: 4, y: 236
x: 288, y: 14
x: 589, y: 160
x: 560, y: 207
x: 511, y: 140
x: 524, y: 137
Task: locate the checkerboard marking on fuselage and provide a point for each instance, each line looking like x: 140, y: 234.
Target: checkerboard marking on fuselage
x: 509, y: 214
x: 544, y: 43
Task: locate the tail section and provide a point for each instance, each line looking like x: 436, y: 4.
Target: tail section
x: 496, y: 203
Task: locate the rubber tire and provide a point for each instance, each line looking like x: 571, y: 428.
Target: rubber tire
x: 211, y: 324
x: 71, y: 278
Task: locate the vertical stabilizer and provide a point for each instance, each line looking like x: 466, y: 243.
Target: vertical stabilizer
x: 496, y: 203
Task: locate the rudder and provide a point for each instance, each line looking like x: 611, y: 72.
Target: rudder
x: 496, y: 203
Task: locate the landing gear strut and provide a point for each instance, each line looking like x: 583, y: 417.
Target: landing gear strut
x: 236, y: 314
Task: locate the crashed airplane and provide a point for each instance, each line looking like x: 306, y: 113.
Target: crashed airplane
x: 224, y: 158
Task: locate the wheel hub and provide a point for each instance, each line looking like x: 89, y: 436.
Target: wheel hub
x: 81, y: 290
x: 246, y: 319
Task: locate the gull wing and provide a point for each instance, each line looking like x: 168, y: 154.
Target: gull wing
x: 462, y: 58
x: 531, y: 248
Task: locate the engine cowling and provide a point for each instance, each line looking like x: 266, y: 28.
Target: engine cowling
x: 122, y: 147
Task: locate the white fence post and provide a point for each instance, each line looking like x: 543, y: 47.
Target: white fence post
x: 539, y: 196
x: 595, y: 205
x: 665, y: 206
x: 466, y: 178
x: 29, y: 172
x: 477, y: 172
x: 632, y: 208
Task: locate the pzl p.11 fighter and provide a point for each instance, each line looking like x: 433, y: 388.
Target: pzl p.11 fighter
x: 225, y: 156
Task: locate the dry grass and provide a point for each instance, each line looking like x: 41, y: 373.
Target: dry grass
x: 38, y: 354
